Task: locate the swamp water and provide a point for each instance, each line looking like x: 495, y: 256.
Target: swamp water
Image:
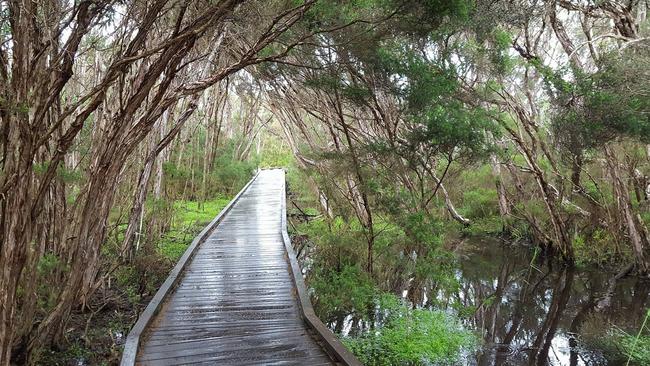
x: 528, y: 311
x: 533, y: 312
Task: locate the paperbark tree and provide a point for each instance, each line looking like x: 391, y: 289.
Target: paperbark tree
x: 44, y: 115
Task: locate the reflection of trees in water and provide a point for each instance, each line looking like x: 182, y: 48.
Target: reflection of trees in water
x: 576, y: 325
x: 521, y: 309
x: 561, y: 293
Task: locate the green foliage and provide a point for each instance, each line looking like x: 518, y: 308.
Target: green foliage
x: 336, y: 12
x: 616, y: 96
x: 424, y: 234
x: 69, y: 175
x: 173, y: 172
x: 502, y: 39
x: 228, y: 174
x: 596, y: 246
x: 75, y: 353
x: 340, y: 243
x: 480, y: 205
x: 189, y: 219
x: 441, y: 121
x: 424, y: 229
x: 127, y: 280
x: 605, y: 105
x: 49, y: 268
x: 401, y: 234
x: 626, y: 348
x: 485, y: 225
x: 48, y: 264
x: 348, y: 291
x: 637, y: 349
x: 489, y: 51
x: 426, y: 82
x: 646, y: 218
x: 412, y: 337
x: 421, y: 17
x: 189, y: 213
x: 275, y: 155
x: 499, y: 53
x: 480, y: 202
x: 351, y: 92
x: 398, y: 335
x: 40, y: 168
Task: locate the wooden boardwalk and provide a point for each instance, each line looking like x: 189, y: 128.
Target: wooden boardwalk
x: 235, y: 301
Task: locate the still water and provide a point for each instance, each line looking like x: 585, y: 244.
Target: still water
x: 531, y: 311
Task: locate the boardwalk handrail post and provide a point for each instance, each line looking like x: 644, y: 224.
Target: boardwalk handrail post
x: 333, y: 345
x: 133, y: 339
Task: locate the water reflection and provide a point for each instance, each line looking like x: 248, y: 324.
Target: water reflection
x: 530, y: 311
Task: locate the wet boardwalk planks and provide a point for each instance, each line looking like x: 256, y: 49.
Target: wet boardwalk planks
x: 235, y: 303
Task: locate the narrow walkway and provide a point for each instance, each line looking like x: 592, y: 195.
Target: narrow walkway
x: 235, y: 304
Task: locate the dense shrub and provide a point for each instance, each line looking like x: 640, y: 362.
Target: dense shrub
x: 413, y: 337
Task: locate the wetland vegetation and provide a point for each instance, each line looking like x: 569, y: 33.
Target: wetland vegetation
x: 469, y: 180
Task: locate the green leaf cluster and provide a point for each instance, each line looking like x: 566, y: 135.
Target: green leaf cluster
x: 413, y: 337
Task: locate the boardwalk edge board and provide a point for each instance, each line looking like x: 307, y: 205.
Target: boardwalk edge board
x: 332, y: 344
x: 133, y: 340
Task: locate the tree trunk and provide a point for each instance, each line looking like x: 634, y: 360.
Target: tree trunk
x: 635, y: 227
x: 141, y: 190
x: 504, y: 207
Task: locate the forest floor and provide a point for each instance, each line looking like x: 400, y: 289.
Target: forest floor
x: 96, y: 334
